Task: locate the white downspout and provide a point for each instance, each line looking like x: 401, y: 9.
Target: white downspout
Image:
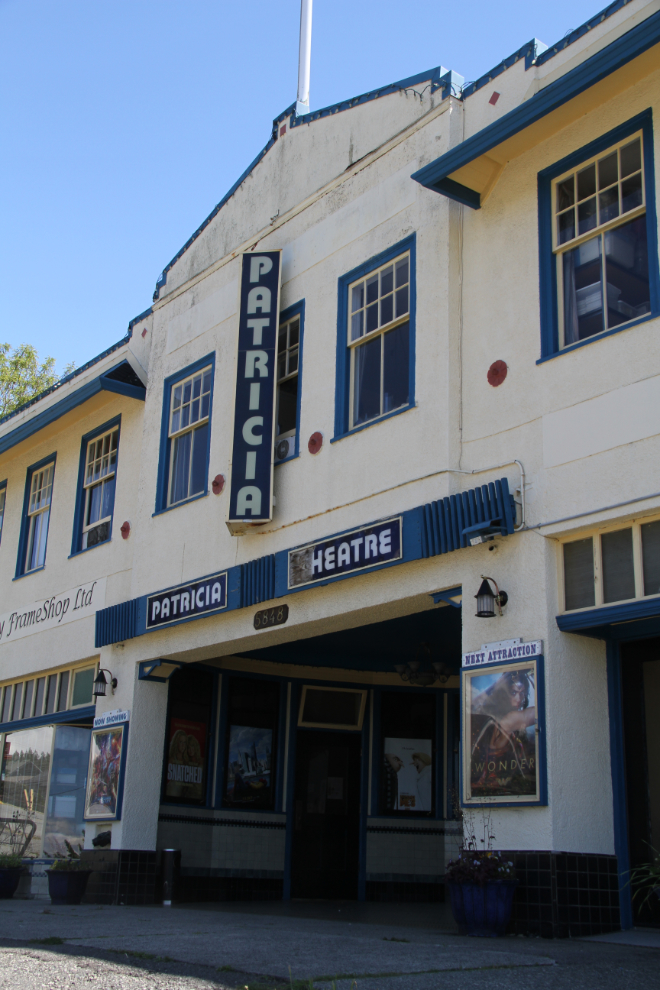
x: 304, y: 57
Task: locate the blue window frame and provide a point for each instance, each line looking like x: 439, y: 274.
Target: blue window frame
x: 376, y: 339
x: 3, y: 502
x: 183, y: 466
x: 95, y: 494
x: 36, y: 516
x: 289, y: 379
x: 598, y: 250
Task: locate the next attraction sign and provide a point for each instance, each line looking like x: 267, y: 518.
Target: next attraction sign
x: 187, y: 601
x: 507, y: 650
x: 368, y: 546
x: 251, y: 488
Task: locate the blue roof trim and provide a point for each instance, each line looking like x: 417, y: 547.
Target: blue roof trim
x: 71, y: 715
x: 573, y: 36
x: 631, y: 44
x: 428, y: 531
x: 602, y: 623
x: 70, y: 377
x: 101, y: 384
x: 435, y: 77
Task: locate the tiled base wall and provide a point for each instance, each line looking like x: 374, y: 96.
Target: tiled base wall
x: 121, y: 876
x: 562, y: 895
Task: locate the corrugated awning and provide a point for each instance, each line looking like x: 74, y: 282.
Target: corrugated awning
x: 468, y: 172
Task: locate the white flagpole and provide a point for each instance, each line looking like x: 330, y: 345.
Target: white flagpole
x: 304, y: 56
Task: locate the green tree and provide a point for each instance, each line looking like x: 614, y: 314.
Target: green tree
x: 22, y: 377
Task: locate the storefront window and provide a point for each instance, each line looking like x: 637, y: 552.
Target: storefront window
x: 189, y: 723
x: 407, y: 753
x: 251, y: 743
x: 66, y: 799
x: 23, y: 789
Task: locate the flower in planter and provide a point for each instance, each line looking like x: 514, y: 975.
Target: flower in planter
x: 9, y: 861
x: 71, y: 864
x: 645, y: 879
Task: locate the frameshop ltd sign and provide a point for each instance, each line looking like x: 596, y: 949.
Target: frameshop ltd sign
x: 56, y: 610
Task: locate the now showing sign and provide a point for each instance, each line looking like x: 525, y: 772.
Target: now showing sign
x: 366, y: 547
x: 188, y: 600
x: 251, y: 488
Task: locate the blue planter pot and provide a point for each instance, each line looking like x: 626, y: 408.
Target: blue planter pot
x: 484, y: 909
x: 9, y: 880
x: 67, y: 886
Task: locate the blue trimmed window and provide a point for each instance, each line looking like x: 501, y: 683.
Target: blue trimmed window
x: 185, y: 435
x: 598, y: 239
x: 3, y: 501
x: 376, y: 339
x: 289, y: 376
x: 36, y: 516
x: 95, y: 499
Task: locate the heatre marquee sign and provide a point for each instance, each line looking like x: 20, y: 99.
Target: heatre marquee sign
x: 187, y: 601
x: 251, y: 489
x: 368, y: 546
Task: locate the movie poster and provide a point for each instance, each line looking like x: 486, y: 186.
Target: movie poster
x: 249, y: 773
x: 103, y: 780
x: 408, y: 769
x: 186, y: 761
x: 500, y: 742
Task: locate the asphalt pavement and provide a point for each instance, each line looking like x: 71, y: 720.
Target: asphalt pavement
x: 228, y: 946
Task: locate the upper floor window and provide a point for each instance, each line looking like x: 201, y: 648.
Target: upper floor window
x: 189, y: 427
x: 99, y: 485
x: 378, y: 339
x: 375, y: 366
x: 38, y: 516
x: 613, y: 566
x: 289, y: 355
x: 601, y: 243
x: 598, y: 238
x: 186, y: 433
x: 3, y: 499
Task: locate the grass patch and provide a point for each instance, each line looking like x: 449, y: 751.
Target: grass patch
x: 228, y: 969
x: 51, y: 940
x: 393, y: 938
x: 141, y: 955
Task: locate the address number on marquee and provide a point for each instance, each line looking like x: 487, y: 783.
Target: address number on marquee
x: 271, y: 617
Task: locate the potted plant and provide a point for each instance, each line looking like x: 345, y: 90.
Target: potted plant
x: 645, y: 879
x: 67, y: 878
x: 481, y: 883
x: 11, y: 870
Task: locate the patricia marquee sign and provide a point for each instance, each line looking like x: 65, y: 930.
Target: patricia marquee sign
x: 369, y: 546
x: 187, y: 601
x: 251, y: 488
x: 56, y: 610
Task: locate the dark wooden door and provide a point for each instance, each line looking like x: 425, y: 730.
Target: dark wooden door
x: 325, y: 851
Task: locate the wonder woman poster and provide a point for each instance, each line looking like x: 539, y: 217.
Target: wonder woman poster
x: 500, y: 737
x: 104, y: 777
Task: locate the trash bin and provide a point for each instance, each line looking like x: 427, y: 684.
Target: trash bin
x: 171, y: 864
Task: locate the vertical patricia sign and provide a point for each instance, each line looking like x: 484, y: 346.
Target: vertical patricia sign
x: 251, y: 489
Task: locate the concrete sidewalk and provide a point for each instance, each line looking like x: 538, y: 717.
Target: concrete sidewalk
x: 274, y: 945
x: 260, y: 946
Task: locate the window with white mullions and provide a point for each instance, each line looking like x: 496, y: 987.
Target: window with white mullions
x: 41, y: 490
x: 188, y: 432
x: 600, y: 242
x: 99, y: 484
x: 378, y: 339
x: 288, y: 346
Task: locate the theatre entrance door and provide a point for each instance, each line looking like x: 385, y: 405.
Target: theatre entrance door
x: 325, y: 849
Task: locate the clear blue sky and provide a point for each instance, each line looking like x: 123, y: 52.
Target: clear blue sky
x: 125, y: 121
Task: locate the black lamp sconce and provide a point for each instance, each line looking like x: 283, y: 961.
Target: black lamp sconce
x: 101, y: 682
x: 412, y: 672
x: 486, y: 600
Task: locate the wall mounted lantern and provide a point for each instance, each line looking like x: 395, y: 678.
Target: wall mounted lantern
x: 100, y: 683
x: 487, y: 601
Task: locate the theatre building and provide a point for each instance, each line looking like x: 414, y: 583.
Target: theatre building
x: 357, y: 530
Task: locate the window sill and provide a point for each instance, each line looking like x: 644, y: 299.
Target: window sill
x: 599, y: 336
x: 373, y: 422
x: 77, y: 553
x: 285, y: 460
x: 178, y: 505
x: 28, y: 573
